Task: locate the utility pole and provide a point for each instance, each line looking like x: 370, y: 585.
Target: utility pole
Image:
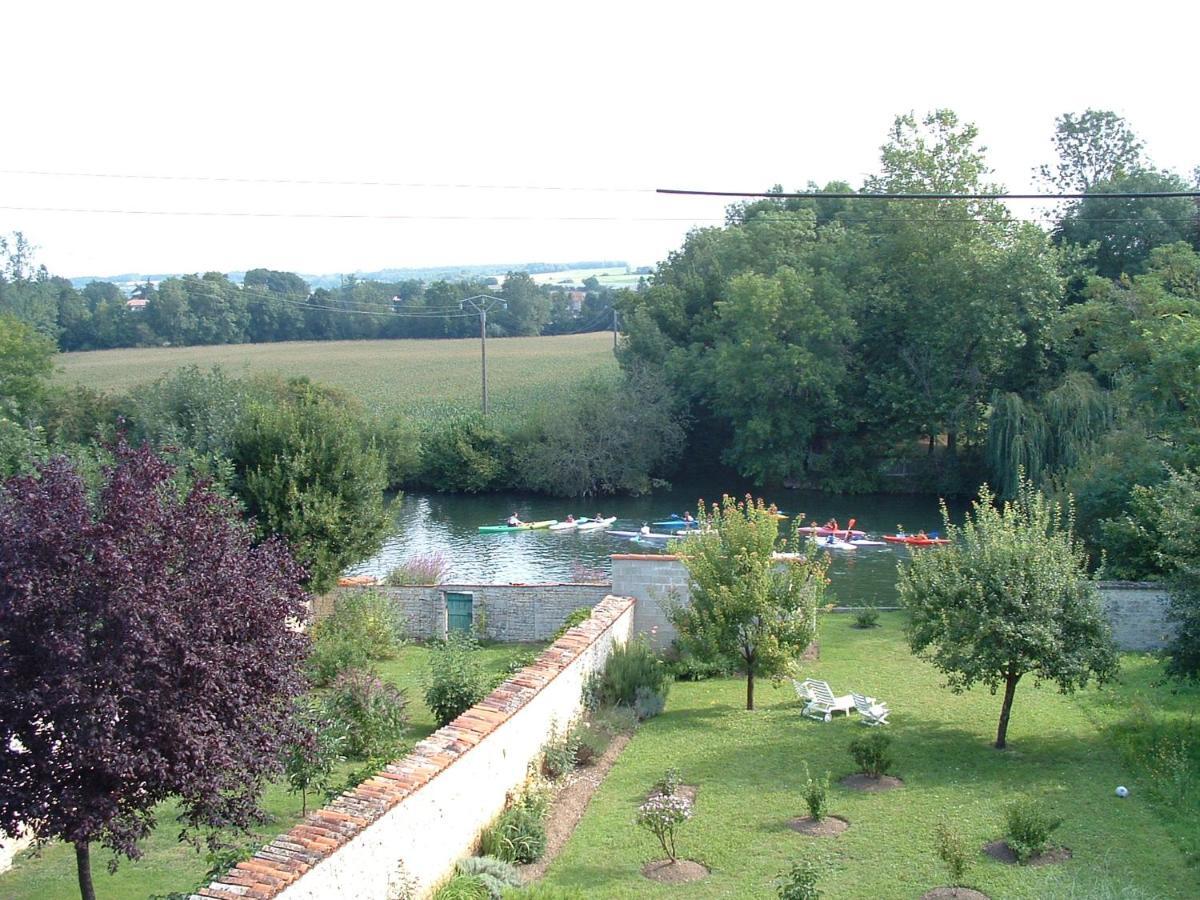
x: 482, y: 304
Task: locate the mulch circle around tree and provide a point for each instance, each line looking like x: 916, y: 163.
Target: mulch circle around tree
x: 949, y: 893
x: 679, y: 872
x: 860, y: 782
x: 826, y: 827
x: 1000, y: 851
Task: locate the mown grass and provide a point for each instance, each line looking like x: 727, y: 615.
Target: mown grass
x: 749, y: 767
x: 169, y: 866
x: 425, y: 379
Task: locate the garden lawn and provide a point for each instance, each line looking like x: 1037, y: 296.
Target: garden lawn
x: 750, y: 765
x: 169, y: 866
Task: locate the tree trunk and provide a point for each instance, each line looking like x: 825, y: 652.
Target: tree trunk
x: 951, y: 443
x: 750, y: 689
x: 1010, y: 688
x: 932, y: 439
x: 83, y: 865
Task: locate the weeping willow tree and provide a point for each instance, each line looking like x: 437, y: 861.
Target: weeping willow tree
x: 1046, y: 435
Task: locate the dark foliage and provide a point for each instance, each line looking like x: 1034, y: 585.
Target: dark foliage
x: 147, y: 654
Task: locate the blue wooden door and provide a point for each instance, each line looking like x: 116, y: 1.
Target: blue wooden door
x: 458, y: 611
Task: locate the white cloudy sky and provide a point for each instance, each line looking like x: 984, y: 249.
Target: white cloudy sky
x: 616, y: 97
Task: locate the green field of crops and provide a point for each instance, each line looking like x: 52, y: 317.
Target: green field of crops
x: 426, y: 379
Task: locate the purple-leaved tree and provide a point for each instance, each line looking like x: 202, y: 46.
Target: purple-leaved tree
x: 145, y: 653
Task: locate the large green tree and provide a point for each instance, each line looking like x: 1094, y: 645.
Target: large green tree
x: 745, y: 604
x: 305, y: 472
x: 1009, y: 597
x: 26, y: 361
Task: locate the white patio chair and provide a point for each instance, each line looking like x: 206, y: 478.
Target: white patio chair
x: 870, y: 711
x: 824, y: 704
x: 803, y: 689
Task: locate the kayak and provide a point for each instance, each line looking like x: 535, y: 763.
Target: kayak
x: 864, y: 542
x: 826, y: 531
x: 915, y: 540
x: 569, y: 526
x: 596, y: 524
x: 674, y: 521
x: 524, y: 526
x: 833, y: 543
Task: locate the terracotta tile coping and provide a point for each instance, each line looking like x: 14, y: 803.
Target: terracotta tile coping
x: 324, y: 830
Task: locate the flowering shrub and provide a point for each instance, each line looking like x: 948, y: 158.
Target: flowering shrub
x: 423, y: 568
x: 661, y: 815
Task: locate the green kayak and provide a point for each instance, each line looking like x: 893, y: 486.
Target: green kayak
x: 524, y: 526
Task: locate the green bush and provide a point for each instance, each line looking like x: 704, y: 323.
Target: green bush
x: 466, y: 456
x: 398, y: 443
x: 800, y: 883
x: 597, y: 730
x: 363, y: 626
x: 684, y: 665
x: 559, y: 753
x: 576, y: 617
x: 463, y: 887
x: 666, y: 786
x: 951, y: 850
x: 815, y: 793
x: 370, y: 710
x: 456, y: 679
x: 1028, y: 825
x: 519, y: 834
x: 496, y: 874
x: 333, y: 654
x: 870, y: 753
x: 867, y: 617
x: 634, y: 677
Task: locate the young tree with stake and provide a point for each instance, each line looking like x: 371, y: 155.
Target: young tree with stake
x: 745, y: 604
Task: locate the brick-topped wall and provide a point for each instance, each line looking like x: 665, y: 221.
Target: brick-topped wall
x: 426, y: 810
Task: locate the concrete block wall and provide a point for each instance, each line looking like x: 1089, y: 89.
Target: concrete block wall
x: 1137, y: 610
x: 655, y: 580
x: 426, y: 811
x: 1138, y: 613
x: 511, y: 613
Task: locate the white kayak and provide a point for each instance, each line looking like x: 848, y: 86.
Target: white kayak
x: 595, y: 524
x: 864, y: 542
x: 569, y: 526
x: 833, y: 543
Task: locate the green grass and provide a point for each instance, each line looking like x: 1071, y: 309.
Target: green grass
x: 425, y: 379
x: 168, y: 865
x: 749, y: 767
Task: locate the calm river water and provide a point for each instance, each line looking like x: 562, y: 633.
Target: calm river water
x: 448, y: 523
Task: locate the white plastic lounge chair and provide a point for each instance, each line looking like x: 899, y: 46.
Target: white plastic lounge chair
x: 823, y: 704
x: 870, y: 712
x: 803, y: 689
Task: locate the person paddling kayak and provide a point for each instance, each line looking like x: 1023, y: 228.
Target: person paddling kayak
x: 514, y: 520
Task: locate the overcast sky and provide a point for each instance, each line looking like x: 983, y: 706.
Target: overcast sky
x: 614, y: 97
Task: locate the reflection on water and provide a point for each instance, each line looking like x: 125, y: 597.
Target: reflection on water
x: 448, y: 524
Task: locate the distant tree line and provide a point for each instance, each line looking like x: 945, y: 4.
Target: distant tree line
x: 279, y: 306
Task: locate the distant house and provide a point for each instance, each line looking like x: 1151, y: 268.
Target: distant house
x: 136, y: 304
x: 575, y: 300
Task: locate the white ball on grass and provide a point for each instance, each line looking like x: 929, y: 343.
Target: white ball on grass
x: 1122, y: 791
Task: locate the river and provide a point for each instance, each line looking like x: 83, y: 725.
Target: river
x: 448, y: 523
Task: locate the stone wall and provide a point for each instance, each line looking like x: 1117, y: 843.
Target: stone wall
x: 506, y: 612
x: 1138, y: 613
x: 425, y: 811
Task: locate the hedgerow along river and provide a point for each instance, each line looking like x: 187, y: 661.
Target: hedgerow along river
x: 448, y: 524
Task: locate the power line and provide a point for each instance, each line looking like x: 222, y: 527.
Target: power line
x: 379, y: 216
x: 820, y: 195
x: 516, y: 218
x: 229, y: 179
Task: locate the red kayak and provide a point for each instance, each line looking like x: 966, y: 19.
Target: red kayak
x: 915, y: 540
x: 831, y: 528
